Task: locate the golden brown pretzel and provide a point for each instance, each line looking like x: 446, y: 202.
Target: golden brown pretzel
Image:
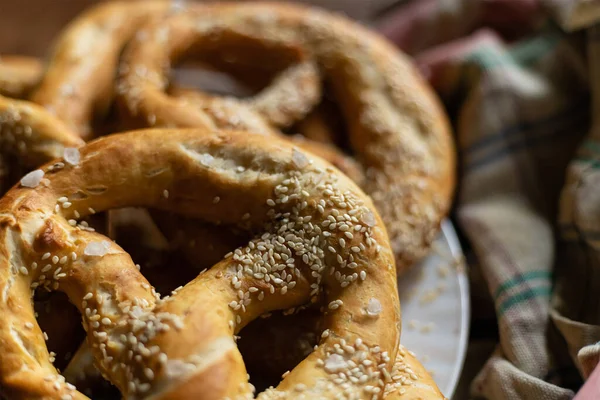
x: 19, y: 75
x: 396, y: 126
x: 181, y: 347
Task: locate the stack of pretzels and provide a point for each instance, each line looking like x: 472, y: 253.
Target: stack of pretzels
x: 272, y: 224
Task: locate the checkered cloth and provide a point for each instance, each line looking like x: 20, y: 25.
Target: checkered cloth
x: 521, y: 81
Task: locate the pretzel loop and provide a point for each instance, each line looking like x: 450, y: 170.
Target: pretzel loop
x: 396, y: 128
x: 320, y: 237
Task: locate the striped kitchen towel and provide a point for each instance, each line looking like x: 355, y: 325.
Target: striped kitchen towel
x: 521, y: 81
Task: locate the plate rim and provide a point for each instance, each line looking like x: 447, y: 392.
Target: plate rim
x: 449, y: 233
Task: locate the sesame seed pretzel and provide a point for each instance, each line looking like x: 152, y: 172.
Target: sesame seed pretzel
x: 396, y: 128
x: 321, y: 237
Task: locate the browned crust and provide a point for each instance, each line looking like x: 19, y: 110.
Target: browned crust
x: 135, y: 169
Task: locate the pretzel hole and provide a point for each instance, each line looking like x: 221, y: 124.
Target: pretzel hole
x: 274, y: 345
x: 191, y: 76
x: 325, y: 124
x: 63, y: 338
x: 11, y: 170
x: 253, y: 63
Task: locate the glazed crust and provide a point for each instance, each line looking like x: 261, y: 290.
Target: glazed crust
x: 256, y: 179
x: 397, y: 130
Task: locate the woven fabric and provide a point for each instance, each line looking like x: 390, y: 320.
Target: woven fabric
x: 521, y: 81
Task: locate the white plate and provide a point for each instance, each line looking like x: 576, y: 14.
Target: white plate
x: 435, y: 310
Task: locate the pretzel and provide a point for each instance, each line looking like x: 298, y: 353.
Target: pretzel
x: 19, y: 75
x: 182, y: 346
x: 396, y: 127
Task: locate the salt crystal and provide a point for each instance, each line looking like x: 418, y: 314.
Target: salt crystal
x: 368, y: 218
x: 98, y: 249
x: 205, y: 159
x: 178, y: 5
x: 298, y: 159
x: 32, y: 179
x: 71, y: 155
x: 335, y: 363
x: 374, y: 307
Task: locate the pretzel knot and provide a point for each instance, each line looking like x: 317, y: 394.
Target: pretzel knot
x: 396, y: 128
x: 317, y: 235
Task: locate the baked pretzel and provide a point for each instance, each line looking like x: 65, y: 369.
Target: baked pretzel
x: 19, y: 75
x: 321, y: 236
x: 396, y: 127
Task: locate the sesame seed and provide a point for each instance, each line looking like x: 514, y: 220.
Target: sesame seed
x: 149, y: 373
x: 46, y: 256
x: 55, y: 260
x: 166, y: 194
x: 66, y: 204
